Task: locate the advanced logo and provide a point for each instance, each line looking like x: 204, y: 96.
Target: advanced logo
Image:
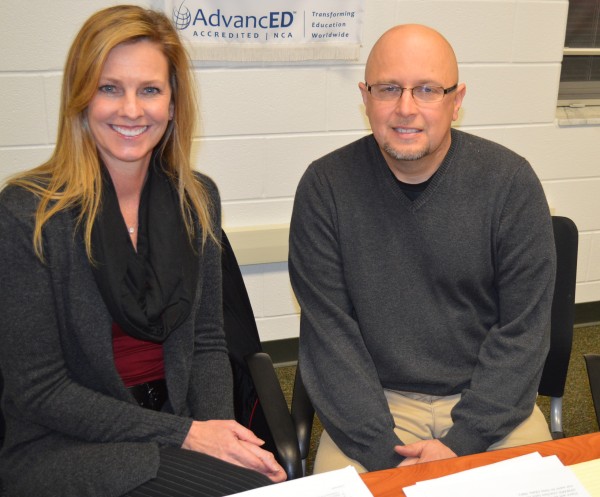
x: 183, y: 18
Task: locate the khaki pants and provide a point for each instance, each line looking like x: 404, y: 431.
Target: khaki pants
x: 425, y: 417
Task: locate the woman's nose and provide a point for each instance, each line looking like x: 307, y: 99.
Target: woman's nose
x: 131, y: 106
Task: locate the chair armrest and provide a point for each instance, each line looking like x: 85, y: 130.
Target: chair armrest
x: 592, y: 362
x: 303, y: 414
x: 276, y: 413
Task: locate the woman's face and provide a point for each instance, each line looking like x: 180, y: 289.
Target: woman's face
x: 132, y: 107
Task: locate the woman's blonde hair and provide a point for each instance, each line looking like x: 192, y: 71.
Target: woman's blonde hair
x: 72, y: 176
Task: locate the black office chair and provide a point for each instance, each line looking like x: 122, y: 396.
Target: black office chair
x: 259, y: 401
x: 592, y: 362
x: 554, y: 376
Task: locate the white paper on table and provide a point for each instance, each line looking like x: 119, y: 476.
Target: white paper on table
x: 339, y: 483
x: 497, y: 468
x: 531, y: 477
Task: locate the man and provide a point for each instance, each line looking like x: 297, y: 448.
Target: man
x: 423, y: 260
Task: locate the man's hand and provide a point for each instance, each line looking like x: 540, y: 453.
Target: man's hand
x: 423, y: 451
x: 231, y: 442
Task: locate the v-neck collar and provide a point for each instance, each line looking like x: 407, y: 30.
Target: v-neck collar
x: 389, y: 182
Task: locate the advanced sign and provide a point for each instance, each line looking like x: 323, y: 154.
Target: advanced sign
x: 269, y: 29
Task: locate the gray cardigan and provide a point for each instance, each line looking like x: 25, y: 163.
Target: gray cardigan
x: 448, y: 294
x: 72, y: 428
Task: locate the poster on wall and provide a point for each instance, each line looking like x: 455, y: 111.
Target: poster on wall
x: 269, y: 30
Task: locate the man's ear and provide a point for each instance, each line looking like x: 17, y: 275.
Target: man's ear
x: 459, y: 95
x: 363, y: 91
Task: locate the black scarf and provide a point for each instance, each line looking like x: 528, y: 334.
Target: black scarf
x: 149, y: 293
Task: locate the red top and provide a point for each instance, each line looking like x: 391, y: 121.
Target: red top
x: 137, y: 361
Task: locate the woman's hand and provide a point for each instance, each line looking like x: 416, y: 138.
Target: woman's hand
x: 229, y: 441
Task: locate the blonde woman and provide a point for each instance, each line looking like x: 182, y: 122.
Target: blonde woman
x: 117, y: 378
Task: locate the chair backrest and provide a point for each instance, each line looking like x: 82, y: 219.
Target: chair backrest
x: 554, y: 375
x: 592, y: 362
x: 259, y: 401
x: 242, y: 338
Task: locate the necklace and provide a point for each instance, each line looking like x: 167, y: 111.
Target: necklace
x: 131, y: 230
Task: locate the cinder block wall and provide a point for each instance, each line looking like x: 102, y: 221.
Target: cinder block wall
x: 262, y: 124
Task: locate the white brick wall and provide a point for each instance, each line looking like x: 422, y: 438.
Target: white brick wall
x: 262, y: 124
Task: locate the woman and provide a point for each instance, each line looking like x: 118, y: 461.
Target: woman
x: 112, y: 349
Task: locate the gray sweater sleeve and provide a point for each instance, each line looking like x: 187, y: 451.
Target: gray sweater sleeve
x: 210, y: 394
x: 336, y: 367
x: 504, y: 383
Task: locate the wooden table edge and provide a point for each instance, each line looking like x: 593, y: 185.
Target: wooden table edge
x: 571, y: 450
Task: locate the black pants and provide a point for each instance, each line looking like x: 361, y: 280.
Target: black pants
x: 184, y: 473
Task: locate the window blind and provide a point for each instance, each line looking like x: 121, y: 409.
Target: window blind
x: 580, y: 73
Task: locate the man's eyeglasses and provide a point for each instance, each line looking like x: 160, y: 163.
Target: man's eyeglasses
x: 388, y: 92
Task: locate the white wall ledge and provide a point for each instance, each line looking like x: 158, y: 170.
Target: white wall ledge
x: 578, y: 116
x: 259, y: 244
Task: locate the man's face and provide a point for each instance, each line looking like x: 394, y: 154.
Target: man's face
x: 413, y: 136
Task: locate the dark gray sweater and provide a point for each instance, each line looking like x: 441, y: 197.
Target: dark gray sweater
x: 72, y: 428
x: 448, y: 294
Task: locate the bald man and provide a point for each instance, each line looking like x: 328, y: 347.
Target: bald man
x: 423, y: 261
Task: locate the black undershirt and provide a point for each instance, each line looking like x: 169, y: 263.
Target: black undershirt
x: 412, y: 191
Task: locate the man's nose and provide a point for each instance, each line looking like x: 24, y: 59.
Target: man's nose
x: 406, y: 104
